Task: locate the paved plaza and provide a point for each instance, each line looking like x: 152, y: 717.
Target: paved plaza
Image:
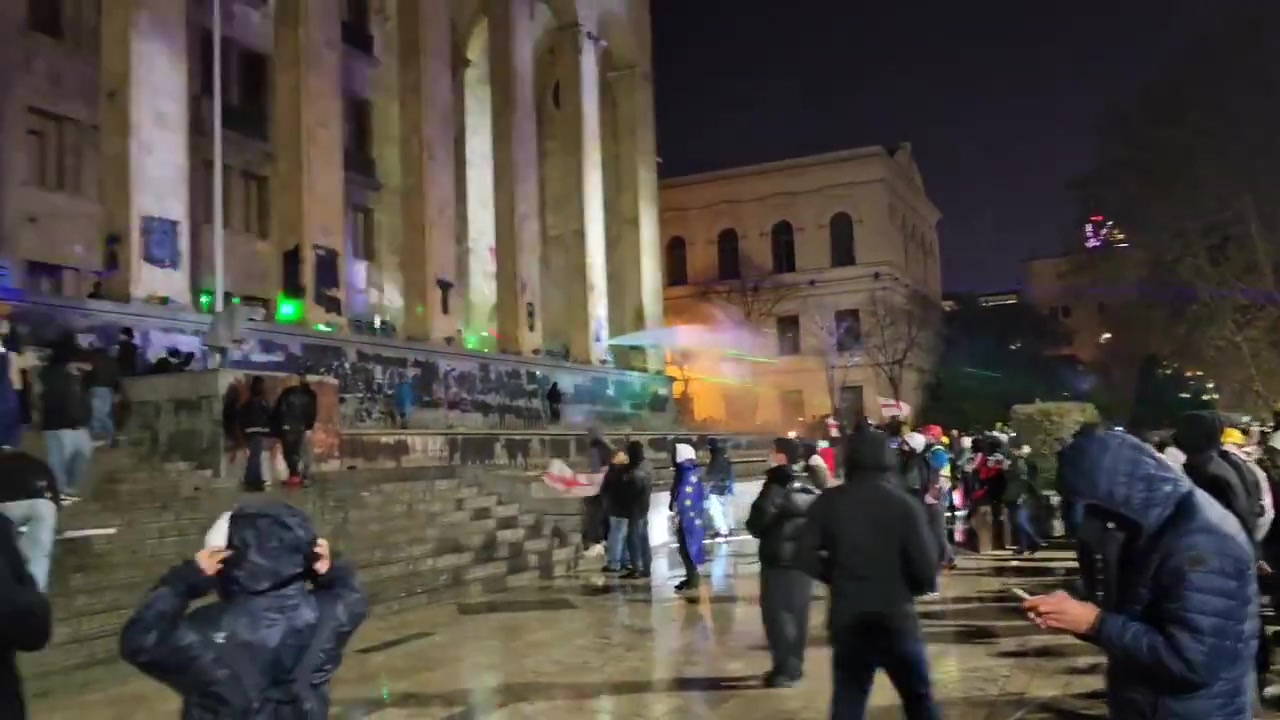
x: 591, y: 647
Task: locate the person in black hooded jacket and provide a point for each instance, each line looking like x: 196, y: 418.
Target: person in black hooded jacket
x: 26, y: 622
x: 870, y: 543
x: 270, y: 644
x: 1199, y: 435
x: 777, y: 519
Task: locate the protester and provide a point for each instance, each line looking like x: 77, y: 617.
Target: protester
x: 720, y: 482
x: 11, y: 420
x: 29, y: 498
x: 814, y: 466
x: 64, y: 418
x: 1020, y: 494
x: 687, y: 503
x: 553, y: 402
x: 127, y: 354
x: 255, y: 427
x: 174, y: 361
x: 1169, y: 582
x: 103, y: 381
x: 26, y: 621
x: 404, y: 401
x: 937, y: 491
x: 869, y: 542
x: 599, y: 452
x: 639, y: 483
x: 269, y: 645
x: 777, y: 520
x: 293, y: 417
x: 614, y: 494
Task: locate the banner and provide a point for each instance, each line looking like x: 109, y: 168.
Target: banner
x: 889, y: 407
x: 561, y: 478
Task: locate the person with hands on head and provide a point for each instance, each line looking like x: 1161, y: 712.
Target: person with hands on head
x: 1169, y: 586
x: 268, y: 647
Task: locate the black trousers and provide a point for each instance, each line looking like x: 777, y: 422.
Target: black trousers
x: 785, y: 594
x: 691, y: 578
x: 291, y: 445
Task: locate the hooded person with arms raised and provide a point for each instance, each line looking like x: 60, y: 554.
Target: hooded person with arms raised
x: 267, y: 648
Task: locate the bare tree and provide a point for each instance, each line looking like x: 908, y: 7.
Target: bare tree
x: 900, y: 333
x: 837, y: 337
x: 756, y: 293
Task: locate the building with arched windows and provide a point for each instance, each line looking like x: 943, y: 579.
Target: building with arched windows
x: 452, y: 168
x: 813, y: 251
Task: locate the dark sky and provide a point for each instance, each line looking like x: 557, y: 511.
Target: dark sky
x: 998, y: 98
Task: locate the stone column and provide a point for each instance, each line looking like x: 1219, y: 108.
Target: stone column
x: 433, y: 301
x: 145, y: 128
x: 307, y: 192
x: 638, y: 245
x: 579, y: 74
x: 517, y: 199
x: 11, y: 16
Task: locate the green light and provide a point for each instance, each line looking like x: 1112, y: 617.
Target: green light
x: 323, y: 327
x: 288, y: 310
x: 205, y: 301
x: 235, y: 300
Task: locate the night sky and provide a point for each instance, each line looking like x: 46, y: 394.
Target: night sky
x: 998, y: 98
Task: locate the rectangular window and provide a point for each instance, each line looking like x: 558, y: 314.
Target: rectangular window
x: 359, y: 126
x: 362, y: 233
x: 848, y: 330
x: 45, y: 17
x: 56, y: 148
x: 789, y: 335
x: 791, y: 405
x: 253, y: 80
x: 255, y: 205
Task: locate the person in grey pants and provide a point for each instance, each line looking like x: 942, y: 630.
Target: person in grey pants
x: 29, y: 498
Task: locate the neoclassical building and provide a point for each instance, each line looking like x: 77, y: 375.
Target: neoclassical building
x: 813, y: 250
x: 462, y: 171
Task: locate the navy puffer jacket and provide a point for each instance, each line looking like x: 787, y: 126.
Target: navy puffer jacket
x: 1181, y: 630
x: 237, y: 657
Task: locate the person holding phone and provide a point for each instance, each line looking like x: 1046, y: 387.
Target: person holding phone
x: 1170, y: 592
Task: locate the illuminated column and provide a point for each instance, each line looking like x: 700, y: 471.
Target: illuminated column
x: 637, y: 244
x: 145, y: 123
x: 11, y: 16
x: 517, y: 195
x: 432, y: 306
x: 307, y: 184
x: 580, y: 92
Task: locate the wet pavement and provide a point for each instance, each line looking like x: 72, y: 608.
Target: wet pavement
x: 594, y: 647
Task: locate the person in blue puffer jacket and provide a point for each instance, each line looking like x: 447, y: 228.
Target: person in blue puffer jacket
x: 1170, y: 579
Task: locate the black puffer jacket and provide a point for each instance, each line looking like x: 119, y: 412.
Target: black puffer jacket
x: 236, y: 657
x: 778, y: 515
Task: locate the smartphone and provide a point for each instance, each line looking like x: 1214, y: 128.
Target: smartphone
x: 1022, y: 594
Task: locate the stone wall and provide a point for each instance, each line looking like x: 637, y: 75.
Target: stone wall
x: 449, y: 388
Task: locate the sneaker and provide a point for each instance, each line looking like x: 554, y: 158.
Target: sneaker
x: 293, y: 482
x: 610, y: 570
x: 931, y: 597
x: 68, y: 499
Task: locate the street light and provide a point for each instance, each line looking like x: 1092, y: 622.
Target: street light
x: 218, y: 282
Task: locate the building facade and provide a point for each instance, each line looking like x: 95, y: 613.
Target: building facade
x: 1061, y: 287
x: 823, y: 253
x: 455, y: 171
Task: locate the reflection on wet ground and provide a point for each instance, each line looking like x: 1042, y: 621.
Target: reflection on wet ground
x: 598, y: 647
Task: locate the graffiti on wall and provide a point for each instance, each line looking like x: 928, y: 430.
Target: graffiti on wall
x: 384, y: 386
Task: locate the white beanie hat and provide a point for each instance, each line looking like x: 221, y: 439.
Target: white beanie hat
x: 220, y: 533
x: 915, y: 441
x: 684, y: 452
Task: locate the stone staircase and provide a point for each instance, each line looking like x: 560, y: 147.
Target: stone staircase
x: 416, y: 536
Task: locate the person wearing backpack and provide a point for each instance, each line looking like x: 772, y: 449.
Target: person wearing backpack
x: 267, y: 648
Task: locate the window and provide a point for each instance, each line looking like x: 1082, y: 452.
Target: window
x: 842, y: 251
x: 848, y: 330
x: 254, y: 216
x: 45, y: 17
x: 727, y: 255
x: 783, y: 241
x: 360, y: 221
x: 677, y: 266
x: 359, y: 125
x: 56, y: 150
x: 789, y: 335
x: 791, y: 405
x: 252, y: 90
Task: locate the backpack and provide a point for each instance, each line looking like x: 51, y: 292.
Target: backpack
x: 1257, y: 493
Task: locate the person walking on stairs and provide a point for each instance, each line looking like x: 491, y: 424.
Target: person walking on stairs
x: 293, y: 419
x: 65, y: 418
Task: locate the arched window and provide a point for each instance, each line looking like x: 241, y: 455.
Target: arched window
x: 677, y: 267
x: 841, y: 229
x: 783, y: 238
x: 727, y: 255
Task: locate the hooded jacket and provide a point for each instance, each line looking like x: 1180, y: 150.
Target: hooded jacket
x: 1179, y: 620
x: 778, y: 514
x: 1199, y: 435
x: 639, y: 480
x: 719, y: 471
x: 868, y: 540
x: 237, y: 657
